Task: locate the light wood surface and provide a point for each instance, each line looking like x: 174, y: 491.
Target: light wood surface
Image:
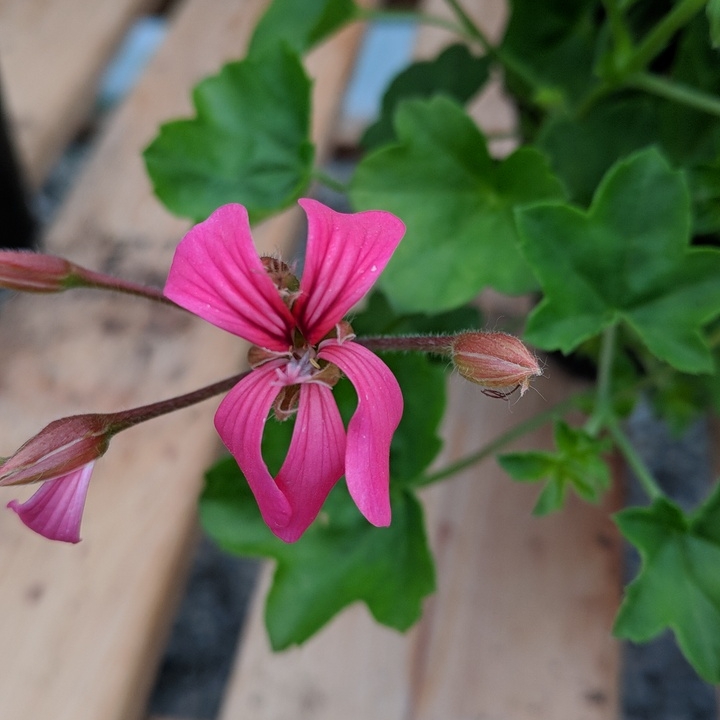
x: 84, y: 626
x: 52, y: 55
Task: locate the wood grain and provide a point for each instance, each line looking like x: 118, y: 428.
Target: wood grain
x: 84, y: 625
x: 52, y: 56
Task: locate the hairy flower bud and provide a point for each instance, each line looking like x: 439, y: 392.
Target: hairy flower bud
x: 34, y: 272
x: 61, y: 447
x: 497, y: 361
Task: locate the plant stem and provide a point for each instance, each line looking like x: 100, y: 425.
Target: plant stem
x: 636, y: 463
x: 328, y: 181
x: 82, y: 277
x: 603, y: 401
x: 128, y: 418
x: 501, y: 441
x: 657, y: 39
x: 676, y: 92
x: 366, y: 14
x: 439, y: 344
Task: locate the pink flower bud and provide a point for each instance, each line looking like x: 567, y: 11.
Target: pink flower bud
x: 497, y: 361
x: 63, y: 446
x: 34, y: 272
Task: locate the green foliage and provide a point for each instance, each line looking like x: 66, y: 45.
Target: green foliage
x: 341, y: 559
x: 577, y: 463
x: 300, y: 23
x: 455, y: 73
x: 461, y: 233
x: 678, y: 586
x: 244, y: 145
x: 625, y: 260
x: 551, y: 46
x: 713, y: 14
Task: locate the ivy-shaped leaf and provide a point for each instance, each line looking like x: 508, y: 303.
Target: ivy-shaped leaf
x: 249, y: 142
x: 577, y: 463
x: 341, y: 558
x: 300, y: 23
x: 455, y: 73
x: 678, y: 586
x: 625, y: 260
x: 457, y: 204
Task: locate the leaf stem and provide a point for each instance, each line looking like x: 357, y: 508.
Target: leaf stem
x: 329, y: 181
x: 677, y: 92
x: 501, y: 441
x: 603, y: 402
x: 368, y: 14
x: 657, y: 39
x: 636, y: 463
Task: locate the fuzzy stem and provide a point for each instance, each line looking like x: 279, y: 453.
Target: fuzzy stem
x: 603, y: 401
x: 438, y: 344
x: 676, y: 92
x: 120, y: 421
x: 82, y: 277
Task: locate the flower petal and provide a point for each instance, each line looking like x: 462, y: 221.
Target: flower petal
x: 380, y: 405
x: 315, y: 460
x: 55, y: 510
x: 217, y: 274
x: 240, y: 421
x: 345, y: 255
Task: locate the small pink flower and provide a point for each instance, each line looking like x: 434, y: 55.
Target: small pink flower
x: 300, y: 348
x: 61, y: 456
x: 55, y: 510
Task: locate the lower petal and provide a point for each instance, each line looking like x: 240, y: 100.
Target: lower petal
x: 240, y: 422
x: 380, y: 405
x: 315, y: 460
x: 55, y: 510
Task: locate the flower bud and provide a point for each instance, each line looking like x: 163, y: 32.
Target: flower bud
x: 497, y: 361
x: 63, y: 446
x: 34, y: 272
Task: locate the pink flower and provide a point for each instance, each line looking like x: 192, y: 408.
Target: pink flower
x: 56, y: 509
x: 300, y: 348
x: 61, y: 456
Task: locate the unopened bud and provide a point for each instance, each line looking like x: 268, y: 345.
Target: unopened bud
x: 62, y: 447
x: 34, y: 272
x: 497, y: 361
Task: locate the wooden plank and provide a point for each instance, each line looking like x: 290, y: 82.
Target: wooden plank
x: 86, y: 623
x: 520, y: 625
x: 52, y: 55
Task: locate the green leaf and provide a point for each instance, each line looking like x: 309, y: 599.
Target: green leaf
x: 577, y: 463
x: 554, y: 43
x: 625, y: 260
x: 713, y: 14
x: 455, y: 73
x: 457, y: 204
x: 341, y: 559
x: 678, y: 586
x: 300, y: 24
x: 248, y: 143
x: 704, y: 181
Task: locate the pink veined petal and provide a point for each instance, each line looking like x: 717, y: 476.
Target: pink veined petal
x: 217, y: 274
x: 55, y: 510
x: 380, y: 406
x: 315, y: 460
x: 345, y: 255
x: 240, y: 422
